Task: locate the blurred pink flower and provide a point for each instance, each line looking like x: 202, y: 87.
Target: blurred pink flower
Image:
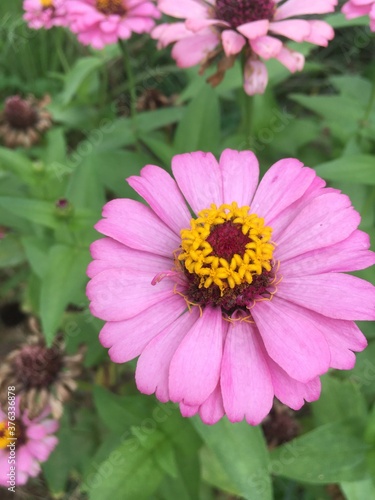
x: 239, y: 304
x: 210, y: 27
x: 102, y: 22
x: 44, y: 13
x: 358, y: 8
x: 33, y: 445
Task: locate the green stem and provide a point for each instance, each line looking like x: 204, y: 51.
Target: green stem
x: 130, y: 77
x: 248, y: 115
x: 371, y: 103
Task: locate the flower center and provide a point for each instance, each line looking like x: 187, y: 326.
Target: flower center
x: 111, y: 7
x: 38, y: 366
x: 16, y: 430
x: 227, y: 257
x: 19, y: 113
x: 46, y: 3
x: 238, y: 12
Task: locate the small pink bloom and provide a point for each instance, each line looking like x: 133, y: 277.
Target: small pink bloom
x: 35, y: 442
x: 102, y: 22
x: 236, y: 305
x: 358, y: 8
x: 253, y: 27
x: 44, y: 13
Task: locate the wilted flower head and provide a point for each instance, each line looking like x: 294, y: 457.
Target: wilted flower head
x: 32, y: 438
x: 102, y: 22
x: 244, y: 301
x: 218, y: 30
x: 44, y: 13
x: 23, y: 121
x: 41, y: 375
x: 358, y: 8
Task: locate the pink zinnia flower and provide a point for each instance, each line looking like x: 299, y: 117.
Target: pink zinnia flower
x: 233, y: 26
x: 101, y: 22
x: 44, y: 13
x: 33, y: 445
x: 234, y: 305
x: 358, y: 8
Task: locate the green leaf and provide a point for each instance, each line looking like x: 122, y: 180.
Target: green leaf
x: 129, y: 472
x: 331, y: 453
x: 65, y: 273
x: 59, y: 464
x: 37, y: 211
x: 36, y: 252
x: 214, y: 473
x: 333, y: 402
x: 199, y: 128
x: 77, y: 76
x: 356, y: 169
x: 11, y: 252
x: 241, y: 451
x: 16, y: 163
x: 120, y: 412
x: 359, y: 490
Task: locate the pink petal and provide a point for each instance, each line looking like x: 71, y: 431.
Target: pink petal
x: 240, y: 173
x: 42, y: 449
x: 335, y: 295
x: 291, y: 392
x: 188, y: 411
x: 196, y: 24
x: 39, y: 431
x: 153, y: 367
x: 245, y: 378
x: 128, y: 338
x: 137, y: 226
x: 292, y: 60
x: 326, y: 220
x: 266, y: 46
x: 284, y: 183
x: 183, y: 8
x: 291, y: 339
x: 161, y: 192
x: 194, y: 49
x: 199, y: 178
x: 255, y: 77
x: 169, y: 33
x: 254, y: 29
x: 118, y: 294
x: 110, y: 254
x: 195, y: 366
x: 212, y: 410
x: 351, y: 254
x: 321, y: 33
x: 295, y: 29
x: 233, y: 42
x: 293, y: 8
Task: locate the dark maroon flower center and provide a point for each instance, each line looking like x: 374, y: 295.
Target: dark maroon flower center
x: 20, y: 432
x: 20, y: 113
x: 232, y: 299
x: 111, y: 7
x: 238, y: 12
x: 38, y: 366
x: 227, y: 239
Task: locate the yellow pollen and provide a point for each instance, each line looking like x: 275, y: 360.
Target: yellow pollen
x: 46, y: 3
x: 4, y: 435
x: 199, y: 258
x: 111, y: 6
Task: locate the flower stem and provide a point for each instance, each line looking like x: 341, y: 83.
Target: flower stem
x: 130, y: 77
x: 248, y: 111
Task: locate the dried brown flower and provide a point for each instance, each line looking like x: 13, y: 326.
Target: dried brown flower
x: 41, y: 375
x: 23, y: 121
